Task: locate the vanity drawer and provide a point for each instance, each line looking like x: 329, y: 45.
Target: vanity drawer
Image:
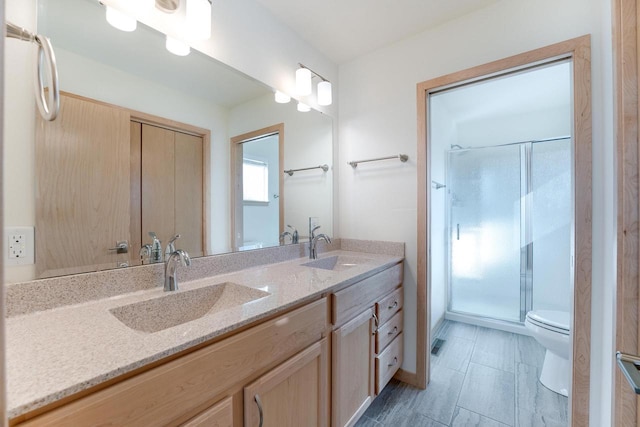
x: 387, y: 332
x: 389, y: 305
x: 388, y: 363
x: 172, y: 392
x: 351, y: 301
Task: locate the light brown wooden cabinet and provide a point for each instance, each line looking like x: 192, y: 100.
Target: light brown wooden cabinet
x: 363, y: 360
x: 292, y: 395
x: 218, y: 415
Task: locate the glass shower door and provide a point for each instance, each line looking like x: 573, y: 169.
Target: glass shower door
x: 484, y: 231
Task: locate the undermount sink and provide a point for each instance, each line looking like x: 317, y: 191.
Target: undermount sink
x: 180, y: 307
x: 337, y: 262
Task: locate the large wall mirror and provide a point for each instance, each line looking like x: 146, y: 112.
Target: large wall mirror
x: 143, y: 145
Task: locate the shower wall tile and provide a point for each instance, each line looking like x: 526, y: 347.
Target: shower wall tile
x: 489, y: 392
x: 438, y: 401
x: 529, y: 351
x: 495, y: 349
x: 455, y: 354
x: 534, y: 398
x: 465, y: 418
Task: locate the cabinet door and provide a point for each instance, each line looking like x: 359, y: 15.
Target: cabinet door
x: 82, y: 191
x: 293, y: 394
x: 218, y: 415
x: 352, y: 369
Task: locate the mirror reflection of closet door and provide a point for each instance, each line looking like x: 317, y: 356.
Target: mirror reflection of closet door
x: 171, y: 187
x: 82, y: 205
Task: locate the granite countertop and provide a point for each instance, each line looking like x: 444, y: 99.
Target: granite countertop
x: 55, y: 353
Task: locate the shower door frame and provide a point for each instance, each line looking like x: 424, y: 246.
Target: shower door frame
x: 579, y: 51
x: 526, y: 229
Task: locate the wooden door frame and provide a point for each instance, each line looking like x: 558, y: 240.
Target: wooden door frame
x: 235, y: 172
x: 579, y: 50
x: 625, y: 75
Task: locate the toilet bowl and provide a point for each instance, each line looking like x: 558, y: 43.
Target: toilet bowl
x: 551, y: 329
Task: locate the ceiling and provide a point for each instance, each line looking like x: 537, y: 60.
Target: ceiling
x: 346, y: 29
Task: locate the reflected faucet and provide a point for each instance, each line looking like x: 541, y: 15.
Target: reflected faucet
x: 171, y: 247
x: 171, y: 265
x: 283, y: 236
x: 293, y: 235
x: 313, y: 252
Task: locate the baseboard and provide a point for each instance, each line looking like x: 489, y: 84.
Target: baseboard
x: 435, y: 330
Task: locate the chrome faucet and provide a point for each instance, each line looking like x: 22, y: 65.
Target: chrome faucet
x: 283, y: 236
x: 145, y: 254
x: 156, y: 248
x: 293, y: 235
x: 313, y: 252
x: 171, y: 265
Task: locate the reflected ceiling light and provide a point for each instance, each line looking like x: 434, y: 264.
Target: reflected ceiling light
x: 282, y: 98
x: 198, y: 19
x: 167, y: 6
x: 177, y: 47
x: 303, y: 81
x: 303, y: 85
x: 303, y: 108
x: 324, y: 93
x: 121, y: 20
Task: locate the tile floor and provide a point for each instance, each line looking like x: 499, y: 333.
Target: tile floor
x: 480, y: 377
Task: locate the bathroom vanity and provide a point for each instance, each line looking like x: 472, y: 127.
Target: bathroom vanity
x: 291, y: 343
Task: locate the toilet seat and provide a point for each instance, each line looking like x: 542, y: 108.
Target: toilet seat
x: 551, y: 320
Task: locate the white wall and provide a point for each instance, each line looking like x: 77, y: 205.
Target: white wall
x: 378, y: 117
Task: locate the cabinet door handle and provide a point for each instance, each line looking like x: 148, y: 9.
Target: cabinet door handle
x: 259, y: 403
x: 375, y: 320
x: 394, y: 305
x: 395, y: 360
x: 395, y: 329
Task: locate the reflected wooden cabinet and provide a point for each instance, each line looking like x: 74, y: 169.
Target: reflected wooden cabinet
x: 106, y: 174
x: 293, y: 394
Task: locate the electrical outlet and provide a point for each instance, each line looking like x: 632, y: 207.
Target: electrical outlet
x: 19, y: 245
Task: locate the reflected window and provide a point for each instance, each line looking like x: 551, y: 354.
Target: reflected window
x: 255, y: 180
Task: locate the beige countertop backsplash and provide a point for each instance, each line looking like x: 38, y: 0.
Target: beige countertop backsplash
x: 62, y: 337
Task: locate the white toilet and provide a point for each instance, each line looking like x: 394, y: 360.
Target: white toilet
x: 551, y: 329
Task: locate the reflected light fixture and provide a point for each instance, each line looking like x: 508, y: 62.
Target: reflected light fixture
x: 282, y: 98
x: 303, y: 85
x: 120, y: 20
x: 177, y: 47
x: 303, y: 108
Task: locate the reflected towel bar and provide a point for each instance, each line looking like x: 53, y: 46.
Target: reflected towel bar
x: 292, y: 171
x: 403, y: 158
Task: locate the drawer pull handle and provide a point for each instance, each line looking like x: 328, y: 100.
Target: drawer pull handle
x: 259, y: 403
x: 375, y: 320
x: 394, y: 305
x: 395, y: 360
x: 395, y: 329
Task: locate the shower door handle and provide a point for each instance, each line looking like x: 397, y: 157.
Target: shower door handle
x: 458, y: 231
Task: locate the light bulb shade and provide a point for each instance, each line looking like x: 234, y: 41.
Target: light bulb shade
x: 303, y: 108
x: 120, y: 20
x: 324, y: 93
x: 198, y: 19
x: 282, y: 98
x: 303, y: 81
x: 177, y: 47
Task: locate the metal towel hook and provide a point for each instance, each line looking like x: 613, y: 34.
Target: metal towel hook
x: 48, y: 104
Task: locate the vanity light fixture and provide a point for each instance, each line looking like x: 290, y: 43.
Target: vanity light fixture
x: 198, y: 19
x: 303, y: 108
x: 177, y: 47
x: 282, y: 98
x: 303, y: 85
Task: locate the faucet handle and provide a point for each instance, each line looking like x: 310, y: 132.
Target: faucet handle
x: 313, y: 231
x: 171, y: 247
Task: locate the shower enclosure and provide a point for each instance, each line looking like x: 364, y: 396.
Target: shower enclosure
x: 509, y: 229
